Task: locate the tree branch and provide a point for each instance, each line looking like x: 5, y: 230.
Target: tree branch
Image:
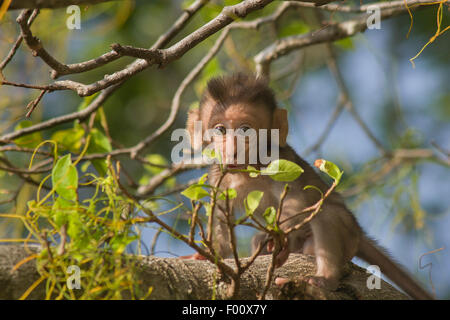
x: 173, y: 278
x: 329, y: 33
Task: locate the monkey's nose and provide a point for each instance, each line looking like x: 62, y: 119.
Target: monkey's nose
x: 229, y: 150
x: 231, y: 157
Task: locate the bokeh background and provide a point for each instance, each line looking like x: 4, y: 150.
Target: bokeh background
x: 407, y: 211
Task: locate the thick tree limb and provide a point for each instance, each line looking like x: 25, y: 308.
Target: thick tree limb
x: 173, y: 278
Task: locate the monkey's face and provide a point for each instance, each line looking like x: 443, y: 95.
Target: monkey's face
x: 236, y: 133
x: 239, y: 117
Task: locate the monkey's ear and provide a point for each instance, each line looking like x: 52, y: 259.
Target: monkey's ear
x: 193, y: 116
x: 280, y: 121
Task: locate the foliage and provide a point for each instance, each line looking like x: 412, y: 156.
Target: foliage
x: 92, y: 234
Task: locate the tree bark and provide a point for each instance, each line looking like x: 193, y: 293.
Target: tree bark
x: 173, y: 278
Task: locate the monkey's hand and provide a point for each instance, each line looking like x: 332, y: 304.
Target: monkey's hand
x: 195, y: 256
x: 284, y: 251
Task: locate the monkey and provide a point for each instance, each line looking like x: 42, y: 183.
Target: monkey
x: 243, y: 102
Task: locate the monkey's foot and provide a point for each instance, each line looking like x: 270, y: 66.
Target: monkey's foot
x: 195, y: 256
x: 281, y: 281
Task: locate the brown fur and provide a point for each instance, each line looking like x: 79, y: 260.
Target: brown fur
x: 333, y: 236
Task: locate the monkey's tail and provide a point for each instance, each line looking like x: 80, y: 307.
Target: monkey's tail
x: 371, y: 253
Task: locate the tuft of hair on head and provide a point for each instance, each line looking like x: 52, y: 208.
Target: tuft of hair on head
x: 239, y: 88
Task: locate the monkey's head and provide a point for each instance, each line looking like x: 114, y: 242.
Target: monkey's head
x: 239, y: 115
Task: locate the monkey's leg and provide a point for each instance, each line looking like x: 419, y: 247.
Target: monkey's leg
x: 336, y: 239
x: 308, y: 246
x: 329, y: 249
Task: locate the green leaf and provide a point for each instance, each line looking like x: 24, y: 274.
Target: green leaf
x: 31, y: 140
x: 315, y: 188
x: 69, y: 139
x: 171, y: 182
x: 270, y: 215
x: 207, y: 208
x: 329, y: 168
x: 59, y: 214
x: 252, y: 201
x: 154, y: 170
x: 253, y: 174
x: 210, y: 153
x: 85, y: 166
x: 346, y: 43
x: 156, y: 159
x: 65, y: 178
x: 151, y: 205
x: 231, y: 194
x: 283, y: 170
x: 120, y: 242
x: 31, y: 204
x: 63, y: 210
x: 86, y: 101
x: 203, y: 178
x: 195, y: 192
x: 99, y: 144
x: 293, y: 28
x: 75, y: 226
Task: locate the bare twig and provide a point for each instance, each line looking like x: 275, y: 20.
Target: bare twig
x: 393, y: 160
x: 80, y: 115
x: 337, y: 111
x: 33, y: 104
x: 18, y: 42
x: 155, y: 239
x: 194, y: 220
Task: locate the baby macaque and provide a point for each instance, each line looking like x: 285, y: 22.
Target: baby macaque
x: 240, y: 103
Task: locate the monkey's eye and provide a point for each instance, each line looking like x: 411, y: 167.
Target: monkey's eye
x: 220, y: 130
x: 242, y: 129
